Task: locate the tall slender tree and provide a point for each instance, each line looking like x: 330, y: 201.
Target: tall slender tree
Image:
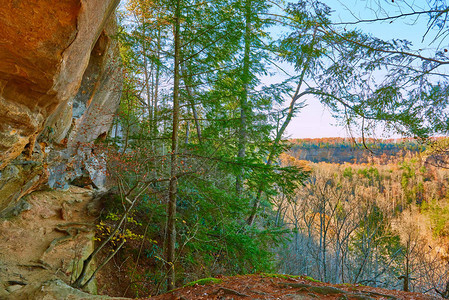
x: 173, y: 187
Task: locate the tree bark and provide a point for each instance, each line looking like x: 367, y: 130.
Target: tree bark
x: 173, y: 187
x: 296, y: 96
x: 244, y: 109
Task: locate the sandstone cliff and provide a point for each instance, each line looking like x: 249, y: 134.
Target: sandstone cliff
x: 60, y: 84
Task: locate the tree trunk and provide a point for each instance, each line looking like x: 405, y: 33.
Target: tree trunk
x: 244, y: 109
x: 407, y: 268
x: 173, y: 188
x: 296, y: 96
x: 337, y: 262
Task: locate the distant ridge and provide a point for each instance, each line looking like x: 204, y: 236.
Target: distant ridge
x: 353, y: 150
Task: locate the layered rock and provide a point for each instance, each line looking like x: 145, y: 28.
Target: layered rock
x: 87, y: 117
x: 45, y: 50
x: 59, y: 85
x: 43, y: 245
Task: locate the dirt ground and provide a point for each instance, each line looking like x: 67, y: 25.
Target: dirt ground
x: 273, y: 287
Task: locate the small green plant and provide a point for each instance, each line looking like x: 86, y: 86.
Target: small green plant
x: 348, y: 172
x: 104, y: 229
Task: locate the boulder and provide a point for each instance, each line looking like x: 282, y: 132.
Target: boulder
x: 54, y: 289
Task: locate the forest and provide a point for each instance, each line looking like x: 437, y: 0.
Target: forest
x: 205, y: 182
x: 376, y: 224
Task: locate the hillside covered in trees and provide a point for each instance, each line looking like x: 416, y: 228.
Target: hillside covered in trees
x: 377, y: 224
x: 341, y: 150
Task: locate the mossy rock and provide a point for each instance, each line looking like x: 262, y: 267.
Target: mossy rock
x: 204, y: 281
x: 283, y: 276
x: 310, y: 279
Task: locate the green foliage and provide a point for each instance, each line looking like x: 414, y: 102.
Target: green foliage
x: 105, y: 228
x: 348, y: 172
x: 413, y: 193
x: 370, y: 173
x: 439, y: 216
x: 222, y: 243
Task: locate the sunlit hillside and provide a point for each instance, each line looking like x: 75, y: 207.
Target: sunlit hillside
x: 377, y: 224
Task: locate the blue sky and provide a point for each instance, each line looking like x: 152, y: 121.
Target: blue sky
x: 315, y: 121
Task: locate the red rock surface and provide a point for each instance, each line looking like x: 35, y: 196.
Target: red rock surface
x: 265, y: 287
x: 45, y: 48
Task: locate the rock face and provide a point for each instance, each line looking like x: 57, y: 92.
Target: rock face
x: 59, y: 88
x: 43, y: 245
